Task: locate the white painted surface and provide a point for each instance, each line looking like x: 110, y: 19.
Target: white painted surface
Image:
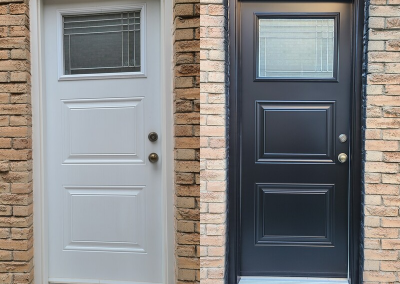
x: 103, y: 199
x: 292, y: 280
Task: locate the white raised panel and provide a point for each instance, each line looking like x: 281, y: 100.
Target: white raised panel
x: 103, y: 131
x: 102, y: 218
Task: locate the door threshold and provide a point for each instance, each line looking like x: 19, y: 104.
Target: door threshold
x: 291, y: 280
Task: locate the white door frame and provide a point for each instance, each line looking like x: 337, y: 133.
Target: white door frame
x: 40, y: 220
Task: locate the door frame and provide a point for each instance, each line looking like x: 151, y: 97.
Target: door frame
x: 356, y: 180
x: 40, y: 220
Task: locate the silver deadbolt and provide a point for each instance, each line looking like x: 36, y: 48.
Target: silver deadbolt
x: 153, y: 136
x: 153, y: 158
x: 342, y: 158
x: 342, y: 138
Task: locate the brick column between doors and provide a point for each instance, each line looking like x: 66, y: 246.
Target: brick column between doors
x: 187, y: 132
x: 213, y: 141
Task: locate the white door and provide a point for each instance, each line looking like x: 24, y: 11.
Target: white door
x: 102, y: 99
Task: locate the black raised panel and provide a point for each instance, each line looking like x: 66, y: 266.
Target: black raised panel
x: 295, y: 131
x: 294, y: 214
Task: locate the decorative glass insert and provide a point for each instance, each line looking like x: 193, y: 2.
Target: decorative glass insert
x: 296, y: 48
x: 102, y: 43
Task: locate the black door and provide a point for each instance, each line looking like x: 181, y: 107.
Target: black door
x: 295, y: 94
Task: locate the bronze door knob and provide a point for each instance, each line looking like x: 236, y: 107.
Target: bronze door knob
x: 153, y: 158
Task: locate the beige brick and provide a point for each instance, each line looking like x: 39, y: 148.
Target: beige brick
x: 381, y: 145
x: 390, y: 134
x: 393, y: 90
x: 19, y: 54
x: 377, y: 23
x: 379, y: 276
x: 381, y: 211
x: 374, y: 156
x: 386, y: 11
x: 372, y: 243
x: 390, y: 244
x: 392, y: 68
x: 391, y: 222
x: 371, y: 265
x: 186, y: 250
x: 183, y: 23
x: 7, y: 20
x: 380, y: 167
x: 391, y: 200
x: 186, y: 118
x: 385, y: 233
x: 187, y: 142
x: 382, y: 189
x: 391, y: 178
x: 380, y: 254
x: 186, y: 262
x: 372, y: 134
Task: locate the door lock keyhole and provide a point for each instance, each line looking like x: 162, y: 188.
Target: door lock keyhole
x: 153, y: 136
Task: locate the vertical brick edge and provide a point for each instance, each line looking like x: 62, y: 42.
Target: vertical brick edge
x: 187, y: 132
x: 16, y: 219
x: 382, y: 172
x: 213, y: 141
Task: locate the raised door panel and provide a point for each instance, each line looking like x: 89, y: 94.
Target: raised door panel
x: 311, y: 124
x: 294, y: 214
x: 104, y: 218
x: 101, y: 131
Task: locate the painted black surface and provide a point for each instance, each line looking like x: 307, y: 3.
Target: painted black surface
x: 359, y: 12
x: 314, y: 227
x: 283, y: 247
x: 311, y: 122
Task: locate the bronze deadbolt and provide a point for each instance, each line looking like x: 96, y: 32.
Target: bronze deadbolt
x: 153, y: 136
x: 153, y: 158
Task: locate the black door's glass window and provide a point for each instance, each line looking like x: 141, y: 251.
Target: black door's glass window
x: 296, y: 48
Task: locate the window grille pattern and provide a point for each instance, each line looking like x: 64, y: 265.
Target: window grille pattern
x: 296, y: 48
x: 102, y: 43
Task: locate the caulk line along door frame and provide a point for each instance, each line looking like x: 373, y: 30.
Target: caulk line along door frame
x: 40, y: 199
x: 355, y: 258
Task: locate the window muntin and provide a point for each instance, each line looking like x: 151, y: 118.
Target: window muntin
x: 296, y: 48
x: 102, y: 43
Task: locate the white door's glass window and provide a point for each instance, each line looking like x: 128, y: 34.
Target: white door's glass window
x: 296, y: 48
x: 102, y: 43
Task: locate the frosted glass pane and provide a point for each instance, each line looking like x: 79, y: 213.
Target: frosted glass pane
x: 102, y: 43
x: 296, y: 48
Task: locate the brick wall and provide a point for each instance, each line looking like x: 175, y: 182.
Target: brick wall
x: 16, y: 252
x: 187, y: 132
x: 213, y: 185
x: 382, y: 178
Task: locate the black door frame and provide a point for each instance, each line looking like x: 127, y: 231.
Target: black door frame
x: 356, y: 148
